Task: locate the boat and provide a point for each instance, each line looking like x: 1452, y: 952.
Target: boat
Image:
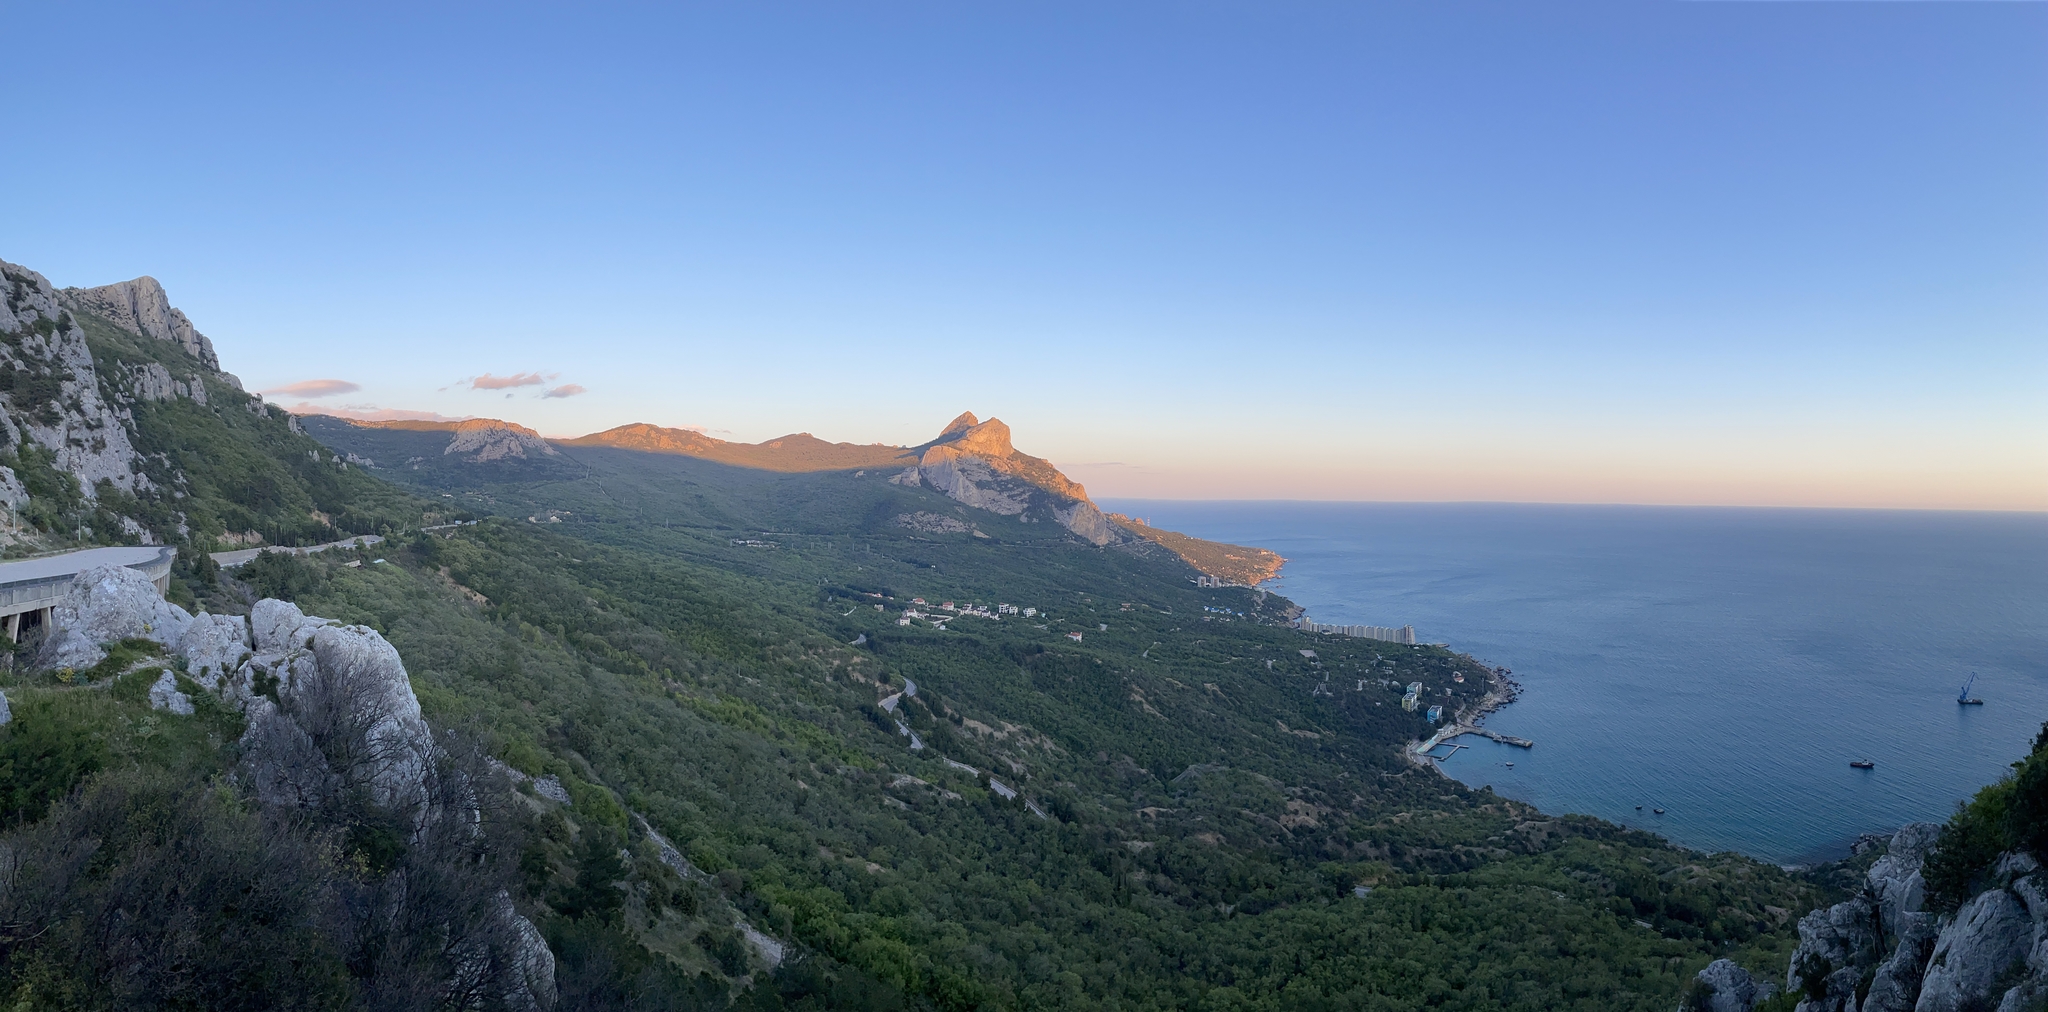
x: 1964, y: 698
x: 1659, y: 811
x: 1863, y: 764
x: 1511, y: 766
x: 1639, y: 808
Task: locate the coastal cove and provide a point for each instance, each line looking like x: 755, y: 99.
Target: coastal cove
x: 1725, y: 665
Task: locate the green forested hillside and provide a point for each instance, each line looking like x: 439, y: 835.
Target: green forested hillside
x: 1205, y: 817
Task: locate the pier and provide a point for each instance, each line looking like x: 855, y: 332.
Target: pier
x: 1455, y: 730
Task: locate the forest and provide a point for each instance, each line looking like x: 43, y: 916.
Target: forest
x: 685, y: 691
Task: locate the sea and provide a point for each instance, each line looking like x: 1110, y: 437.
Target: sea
x: 1722, y: 664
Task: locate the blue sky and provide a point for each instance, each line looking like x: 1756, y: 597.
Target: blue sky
x: 1772, y: 253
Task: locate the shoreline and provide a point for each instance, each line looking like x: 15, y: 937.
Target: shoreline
x: 1502, y: 690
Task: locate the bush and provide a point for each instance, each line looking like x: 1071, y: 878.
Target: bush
x: 2012, y: 813
x: 51, y: 746
x: 282, y: 575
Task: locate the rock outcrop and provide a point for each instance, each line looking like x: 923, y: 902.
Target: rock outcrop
x: 331, y: 717
x: 107, y: 604
x: 973, y: 462
x: 142, y: 306
x: 1726, y: 987
x: 1879, y: 951
x: 487, y: 439
x: 1987, y: 938
x: 54, y: 391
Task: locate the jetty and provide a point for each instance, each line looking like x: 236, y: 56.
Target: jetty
x: 1456, y: 730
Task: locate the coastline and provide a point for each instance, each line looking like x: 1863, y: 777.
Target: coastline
x: 1502, y: 689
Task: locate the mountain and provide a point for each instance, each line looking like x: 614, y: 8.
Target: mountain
x: 971, y: 462
x: 797, y: 452
x: 731, y: 736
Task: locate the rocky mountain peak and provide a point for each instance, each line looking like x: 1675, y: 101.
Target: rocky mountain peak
x: 983, y: 439
x: 142, y: 306
x: 958, y: 425
x: 490, y: 439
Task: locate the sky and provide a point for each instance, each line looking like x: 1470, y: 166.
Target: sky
x: 1766, y: 253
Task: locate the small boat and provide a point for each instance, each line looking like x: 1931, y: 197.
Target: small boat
x: 1863, y: 764
x: 1639, y: 808
x: 1659, y: 811
x: 1511, y: 766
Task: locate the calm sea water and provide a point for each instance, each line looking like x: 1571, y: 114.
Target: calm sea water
x: 1722, y: 664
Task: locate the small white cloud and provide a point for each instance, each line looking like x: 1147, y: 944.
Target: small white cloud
x: 566, y: 390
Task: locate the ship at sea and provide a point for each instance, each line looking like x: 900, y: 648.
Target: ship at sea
x: 1964, y: 698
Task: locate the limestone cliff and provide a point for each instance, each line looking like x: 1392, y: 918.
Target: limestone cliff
x: 143, y: 307
x: 973, y: 461
x: 53, y: 391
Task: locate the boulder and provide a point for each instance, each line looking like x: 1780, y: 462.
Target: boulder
x: 340, y: 691
x: 1725, y: 987
x: 533, y: 963
x: 215, y: 647
x: 1842, y: 937
x: 1894, y: 880
x: 1975, y: 951
x: 106, y: 604
x: 164, y: 695
x: 280, y: 627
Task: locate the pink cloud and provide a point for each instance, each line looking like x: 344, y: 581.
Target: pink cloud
x: 373, y: 413
x: 517, y: 379
x: 314, y: 388
x: 565, y: 390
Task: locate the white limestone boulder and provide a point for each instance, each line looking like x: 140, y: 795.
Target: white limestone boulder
x: 215, y: 647
x: 106, y: 604
x: 279, y: 626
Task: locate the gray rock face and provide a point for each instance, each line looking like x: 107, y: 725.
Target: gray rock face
x: 106, y: 604
x: 533, y: 963
x: 1894, y: 881
x: 1727, y: 987
x: 971, y: 481
x: 6, y: 712
x: 88, y: 436
x: 215, y: 647
x: 13, y: 494
x: 164, y: 695
x: 332, y: 683
x: 974, y: 462
x: 487, y: 439
x: 1844, y: 936
x: 1896, y: 987
x: 151, y: 381
x: 1988, y: 936
x: 1085, y: 520
x: 279, y: 626
x: 142, y: 306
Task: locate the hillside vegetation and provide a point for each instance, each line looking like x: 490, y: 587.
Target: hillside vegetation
x: 1146, y: 794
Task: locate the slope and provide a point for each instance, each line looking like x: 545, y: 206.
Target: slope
x: 1144, y: 794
